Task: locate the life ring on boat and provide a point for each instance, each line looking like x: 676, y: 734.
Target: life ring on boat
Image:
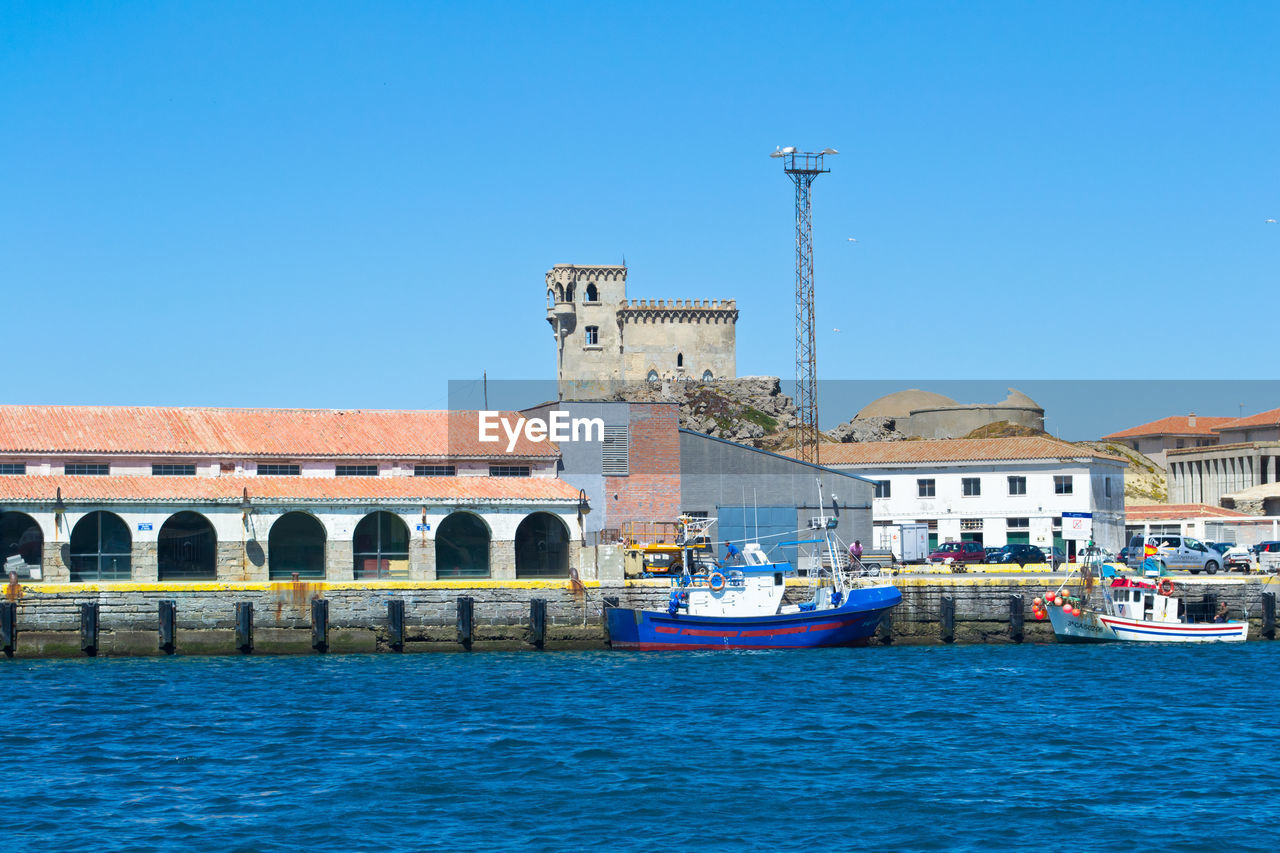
x: 716, y: 582
x: 1165, y: 587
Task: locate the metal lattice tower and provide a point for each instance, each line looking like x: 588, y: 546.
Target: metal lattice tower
x: 803, y: 167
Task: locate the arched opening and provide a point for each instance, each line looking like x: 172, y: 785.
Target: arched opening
x: 187, y: 548
x: 568, y: 293
x: 295, y: 544
x: 652, y: 378
x: 559, y: 293
x: 551, y: 298
x: 381, y: 546
x: 22, y: 544
x: 706, y: 376
x: 593, y: 295
x: 100, y: 548
x: 679, y: 359
x: 542, y: 547
x: 462, y: 547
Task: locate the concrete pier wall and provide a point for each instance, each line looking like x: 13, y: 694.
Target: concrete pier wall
x: 48, y: 616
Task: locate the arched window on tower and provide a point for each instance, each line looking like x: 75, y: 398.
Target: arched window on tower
x: 652, y: 378
x: 551, y: 298
x: 679, y: 359
x: 706, y: 376
x: 568, y: 293
x: 559, y: 293
x: 593, y: 295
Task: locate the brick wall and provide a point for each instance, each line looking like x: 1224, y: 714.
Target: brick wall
x: 652, y: 490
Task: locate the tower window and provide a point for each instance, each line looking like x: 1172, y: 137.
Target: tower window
x: 593, y: 336
x: 706, y: 376
x: 679, y: 359
x: 593, y: 295
x: 652, y: 378
x: 568, y: 293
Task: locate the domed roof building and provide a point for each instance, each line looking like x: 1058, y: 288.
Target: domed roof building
x: 926, y: 414
x: 900, y: 404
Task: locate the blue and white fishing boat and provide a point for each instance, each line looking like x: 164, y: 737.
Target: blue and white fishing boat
x: 740, y: 605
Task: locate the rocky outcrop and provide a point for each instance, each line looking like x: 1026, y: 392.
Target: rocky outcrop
x: 750, y: 409
x: 867, y: 429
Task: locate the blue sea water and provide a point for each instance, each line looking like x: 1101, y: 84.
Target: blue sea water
x: 934, y: 748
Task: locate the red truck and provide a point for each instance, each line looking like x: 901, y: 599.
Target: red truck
x: 959, y: 554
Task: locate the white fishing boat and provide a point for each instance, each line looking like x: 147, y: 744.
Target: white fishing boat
x: 1112, y: 608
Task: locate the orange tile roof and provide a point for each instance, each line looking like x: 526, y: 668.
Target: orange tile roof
x: 1170, y: 511
x: 287, y: 433
x: 954, y: 450
x: 142, y: 488
x: 1268, y: 418
x: 1172, y: 425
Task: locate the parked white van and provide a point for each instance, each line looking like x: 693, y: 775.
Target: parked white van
x: 1176, y: 552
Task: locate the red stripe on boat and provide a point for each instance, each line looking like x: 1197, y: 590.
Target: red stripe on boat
x: 666, y: 629
x: 827, y: 626
x: 770, y: 632
x: 703, y: 632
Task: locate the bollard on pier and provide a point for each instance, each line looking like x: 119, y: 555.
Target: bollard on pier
x: 466, y: 621
x: 320, y: 624
x: 244, y: 627
x: 395, y: 624
x: 168, y: 628
x: 538, y: 622
x: 89, y: 628
x: 948, y: 618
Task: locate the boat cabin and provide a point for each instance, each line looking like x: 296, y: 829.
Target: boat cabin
x: 1133, y: 600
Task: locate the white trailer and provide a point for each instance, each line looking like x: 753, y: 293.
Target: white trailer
x: 908, y: 542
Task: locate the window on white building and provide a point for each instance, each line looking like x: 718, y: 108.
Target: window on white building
x: 1062, y: 484
x: 13, y: 467
x: 970, y: 524
x: 90, y: 469
x: 435, y: 471
x: 882, y: 489
x: 926, y: 488
x: 593, y: 336
x: 355, y: 470
x: 278, y: 469
x: 165, y: 469
x: 508, y: 470
x: 972, y: 486
x: 1017, y: 485
x: 1106, y: 487
x: 1017, y: 523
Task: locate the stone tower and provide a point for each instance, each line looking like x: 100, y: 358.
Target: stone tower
x: 604, y: 340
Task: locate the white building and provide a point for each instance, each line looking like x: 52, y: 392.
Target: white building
x: 995, y: 491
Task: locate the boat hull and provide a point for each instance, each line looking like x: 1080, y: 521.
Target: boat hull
x: 851, y: 624
x: 1093, y: 627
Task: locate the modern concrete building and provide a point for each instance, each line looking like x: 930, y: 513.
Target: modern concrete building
x: 1240, y: 470
x: 603, y: 340
x: 1176, y: 432
x: 994, y: 491
x: 92, y: 493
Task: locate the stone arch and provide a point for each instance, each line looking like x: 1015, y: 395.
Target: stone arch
x: 568, y: 293
x: 593, y: 295
x: 101, y: 548
x: 706, y: 375
x: 652, y: 377
x: 187, y: 548
x: 296, y: 544
x: 551, y: 298
x: 559, y: 293
x: 21, y: 537
x: 462, y: 546
x: 380, y: 546
x: 542, y: 547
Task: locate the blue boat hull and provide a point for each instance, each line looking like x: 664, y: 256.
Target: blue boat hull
x: 851, y: 624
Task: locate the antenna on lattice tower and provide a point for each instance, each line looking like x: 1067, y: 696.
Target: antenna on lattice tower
x: 802, y: 167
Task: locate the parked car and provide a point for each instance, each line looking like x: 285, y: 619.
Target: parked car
x: 1058, y: 557
x: 1020, y: 554
x: 992, y: 551
x: 1096, y: 552
x: 1177, y: 552
x: 1123, y: 556
x: 1221, y: 547
x: 958, y: 552
x: 1238, y: 557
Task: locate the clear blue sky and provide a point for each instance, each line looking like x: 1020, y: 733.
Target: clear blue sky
x: 348, y: 204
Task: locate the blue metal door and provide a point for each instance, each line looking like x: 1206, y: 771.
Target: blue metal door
x: 767, y: 525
